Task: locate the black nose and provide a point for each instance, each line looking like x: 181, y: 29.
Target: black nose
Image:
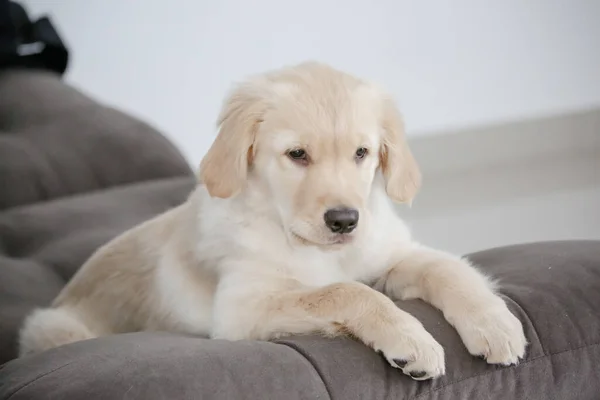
x: 341, y: 220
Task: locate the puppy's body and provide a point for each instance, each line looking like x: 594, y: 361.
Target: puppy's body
x: 249, y: 256
x: 162, y: 275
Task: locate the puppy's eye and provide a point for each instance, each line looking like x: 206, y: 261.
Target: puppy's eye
x: 298, y: 155
x: 360, y: 153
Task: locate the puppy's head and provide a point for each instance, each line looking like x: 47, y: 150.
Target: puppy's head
x: 313, y: 138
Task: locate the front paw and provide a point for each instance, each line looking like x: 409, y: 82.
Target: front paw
x: 412, y: 350
x: 493, y: 334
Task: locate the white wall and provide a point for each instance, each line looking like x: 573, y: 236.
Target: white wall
x: 524, y: 181
x: 568, y: 215
x: 449, y: 63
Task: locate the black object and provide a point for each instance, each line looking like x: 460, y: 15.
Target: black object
x: 29, y: 44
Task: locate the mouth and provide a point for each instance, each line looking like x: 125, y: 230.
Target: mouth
x: 343, y: 239
x: 335, y: 240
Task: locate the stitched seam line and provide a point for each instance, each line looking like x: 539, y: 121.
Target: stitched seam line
x: 298, y: 350
x: 24, y: 386
x: 431, y: 392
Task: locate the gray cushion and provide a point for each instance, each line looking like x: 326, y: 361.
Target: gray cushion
x: 55, y: 141
x: 554, y: 288
x: 161, y: 366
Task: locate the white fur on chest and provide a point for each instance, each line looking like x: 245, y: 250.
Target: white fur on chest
x: 313, y: 267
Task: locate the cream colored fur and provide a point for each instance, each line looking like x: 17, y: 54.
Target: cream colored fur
x: 248, y: 255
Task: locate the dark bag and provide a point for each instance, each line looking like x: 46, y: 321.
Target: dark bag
x: 29, y: 44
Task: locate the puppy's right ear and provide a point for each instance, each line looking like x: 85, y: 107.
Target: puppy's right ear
x: 224, y: 169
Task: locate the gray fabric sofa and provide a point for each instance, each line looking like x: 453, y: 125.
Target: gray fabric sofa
x: 74, y: 173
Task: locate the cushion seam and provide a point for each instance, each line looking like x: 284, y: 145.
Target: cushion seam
x: 320, y: 374
x: 31, y: 382
x: 550, y: 355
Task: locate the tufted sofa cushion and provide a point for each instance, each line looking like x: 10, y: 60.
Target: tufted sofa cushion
x: 55, y: 141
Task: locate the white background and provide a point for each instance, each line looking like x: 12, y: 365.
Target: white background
x: 450, y: 64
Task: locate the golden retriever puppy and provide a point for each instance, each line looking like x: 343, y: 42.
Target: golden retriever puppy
x: 290, y: 227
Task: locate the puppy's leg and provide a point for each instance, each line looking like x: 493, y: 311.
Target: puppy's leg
x: 272, y: 308
x: 464, y: 295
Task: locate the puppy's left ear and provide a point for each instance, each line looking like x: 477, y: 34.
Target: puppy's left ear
x: 224, y: 169
x: 399, y: 167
